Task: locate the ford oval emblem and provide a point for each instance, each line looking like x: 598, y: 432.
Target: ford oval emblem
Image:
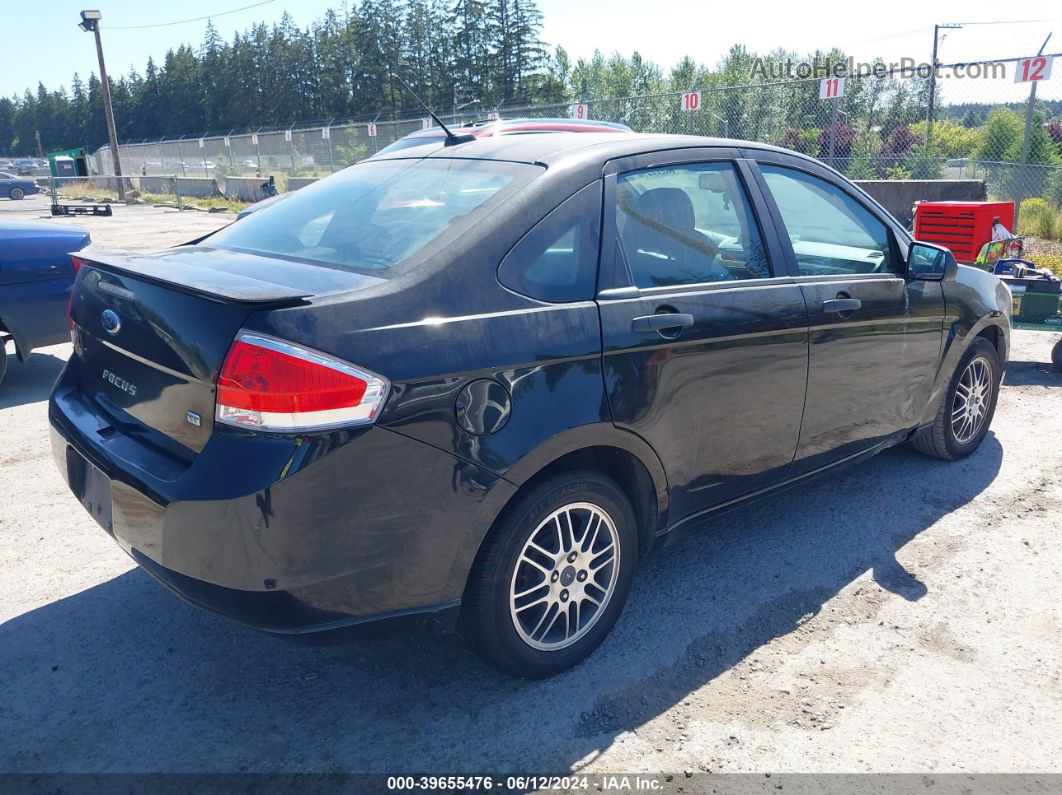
x: 110, y: 321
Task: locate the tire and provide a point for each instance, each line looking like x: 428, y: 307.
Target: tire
x: 3, y: 360
x: 549, y: 584
x: 1056, y: 355
x: 953, y: 440
x: 17, y: 194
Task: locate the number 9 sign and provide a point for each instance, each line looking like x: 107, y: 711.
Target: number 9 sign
x: 580, y: 111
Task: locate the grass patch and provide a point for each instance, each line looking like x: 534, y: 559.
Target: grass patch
x: 89, y: 193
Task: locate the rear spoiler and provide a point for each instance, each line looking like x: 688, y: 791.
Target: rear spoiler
x: 213, y: 283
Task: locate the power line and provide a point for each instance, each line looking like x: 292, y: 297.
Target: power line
x: 183, y: 21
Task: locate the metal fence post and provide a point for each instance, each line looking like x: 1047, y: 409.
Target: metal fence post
x: 1023, y: 169
x: 331, y: 161
x: 177, y: 193
x: 258, y: 151
x: 291, y: 149
x: 833, y: 132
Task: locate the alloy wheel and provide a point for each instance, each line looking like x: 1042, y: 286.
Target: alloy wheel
x: 973, y: 395
x: 565, y: 576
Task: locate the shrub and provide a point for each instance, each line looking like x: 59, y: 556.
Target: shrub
x: 1037, y: 218
x: 793, y: 140
x: 844, y: 138
x: 900, y: 142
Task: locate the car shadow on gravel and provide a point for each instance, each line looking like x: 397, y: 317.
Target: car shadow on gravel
x: 123, y: 677
x: 30, y: 381
x: 1022, y: 373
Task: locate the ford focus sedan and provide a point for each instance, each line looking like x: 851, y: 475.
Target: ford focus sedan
x: 474, y: 389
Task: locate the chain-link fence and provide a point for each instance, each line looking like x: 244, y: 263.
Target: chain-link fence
x: 873, y: 126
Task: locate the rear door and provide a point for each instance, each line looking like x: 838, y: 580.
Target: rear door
x: 705, y: 340
x: 874, y: 337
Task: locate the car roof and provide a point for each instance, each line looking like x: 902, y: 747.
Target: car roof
x: 547, y: 148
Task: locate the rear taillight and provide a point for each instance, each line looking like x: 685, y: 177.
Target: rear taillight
x: 269, y: 384
x: 75, y: 264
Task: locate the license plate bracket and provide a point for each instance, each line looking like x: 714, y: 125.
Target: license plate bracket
x: 90, y: 486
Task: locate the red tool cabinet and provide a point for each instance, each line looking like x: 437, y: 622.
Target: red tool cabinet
x: 962, y: 227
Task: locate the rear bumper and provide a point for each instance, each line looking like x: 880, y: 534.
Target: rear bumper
x: 285, y: 535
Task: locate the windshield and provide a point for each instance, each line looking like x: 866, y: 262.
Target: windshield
x: 373, y: 216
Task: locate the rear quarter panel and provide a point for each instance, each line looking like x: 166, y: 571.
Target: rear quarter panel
x: 35, y: 281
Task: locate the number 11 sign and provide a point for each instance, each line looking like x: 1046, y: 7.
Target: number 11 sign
x: 831, y: 88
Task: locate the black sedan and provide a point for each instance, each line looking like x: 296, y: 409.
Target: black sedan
x: 475, y: 388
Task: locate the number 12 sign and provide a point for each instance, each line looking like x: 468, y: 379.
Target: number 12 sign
x: 1029, y: 70
x: 831, y: 87
x: 691, y: 100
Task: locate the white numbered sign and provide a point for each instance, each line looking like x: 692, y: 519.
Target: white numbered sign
x: 493, y: 115
x: 200, y: 143
x: 831, y: 88
x: 1030, y: 70
x: 372, y: 129
x: 287, y: 135
x: 691, y: 100
x: 254, y: 139
x: 227, y: 144
x: 580, y: 111
x: 326, y: 133
x: 425, y: 123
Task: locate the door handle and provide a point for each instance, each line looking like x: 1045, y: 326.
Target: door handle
x: 665, y: 321
x: 841, y: 305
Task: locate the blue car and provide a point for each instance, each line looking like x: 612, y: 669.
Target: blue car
x: 36, y: 273
x: 15, y: 187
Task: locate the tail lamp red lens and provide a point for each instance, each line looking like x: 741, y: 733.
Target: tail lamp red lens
x: 271, y: 384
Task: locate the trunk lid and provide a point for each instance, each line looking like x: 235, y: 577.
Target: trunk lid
x: 151, y: 331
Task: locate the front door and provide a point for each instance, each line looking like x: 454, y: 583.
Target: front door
x: 705, y: 345
x: 869, y: 353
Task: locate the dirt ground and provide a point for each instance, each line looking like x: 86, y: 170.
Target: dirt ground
x: 136, y: 226
x: 903, y: 616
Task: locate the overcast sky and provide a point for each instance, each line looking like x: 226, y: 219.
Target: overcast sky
x: 41, y: 40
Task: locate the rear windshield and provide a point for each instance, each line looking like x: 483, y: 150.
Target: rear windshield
x: 410, y: 141
x: 375, y: 216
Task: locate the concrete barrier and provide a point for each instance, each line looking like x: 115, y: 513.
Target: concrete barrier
x: 294, y: 183
x: 159, y: 185
x: 244, y: 189
x: 198, y: 187
x: 899, y: 195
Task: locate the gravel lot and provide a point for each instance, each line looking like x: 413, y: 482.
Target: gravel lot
x: 897, y: 618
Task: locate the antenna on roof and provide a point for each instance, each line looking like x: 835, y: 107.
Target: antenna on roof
x: 451, y: 138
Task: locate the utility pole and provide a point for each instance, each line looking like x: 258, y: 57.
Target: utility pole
x: 1023, y: 170
x: 933, y: 80
x: 90, y: 21
x: 40, y: 149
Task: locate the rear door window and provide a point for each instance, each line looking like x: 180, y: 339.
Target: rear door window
x: 688, y: 224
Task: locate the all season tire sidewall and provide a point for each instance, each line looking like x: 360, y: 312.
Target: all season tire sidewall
x: 17, y: 194
x: 987, y: 351
x: 534, y: 663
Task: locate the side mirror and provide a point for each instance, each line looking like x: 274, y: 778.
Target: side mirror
x: 930, y: 263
